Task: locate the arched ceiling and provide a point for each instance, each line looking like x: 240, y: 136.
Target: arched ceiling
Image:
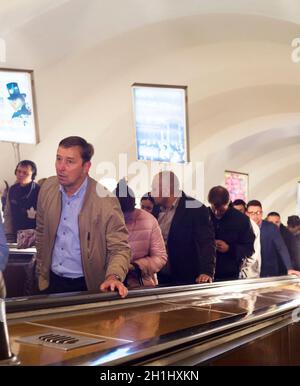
x: 110, y: 17
x: 244, y: 91
x: 59, y: 27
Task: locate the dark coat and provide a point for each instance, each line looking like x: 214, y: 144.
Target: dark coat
x: 235, y: 229
x: 19, y: 200
x: 292, y: 246
x: 275, y: 258
x: 190, y: 245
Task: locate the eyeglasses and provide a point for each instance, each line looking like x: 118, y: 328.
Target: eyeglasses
x: 257, y: 213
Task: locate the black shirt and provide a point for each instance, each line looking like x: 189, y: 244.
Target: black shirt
x: 21, y: 199
x: 235, y: 229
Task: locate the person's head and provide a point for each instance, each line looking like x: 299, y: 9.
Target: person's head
x: 239, y: 205
x: 165, y: 188
x: 147, y: 202
x: 25, y: 172
x: 274, y: 217
x: 73, y: 162
x: 219, y: 200
x: 254, y: 211
x: 293, y: 224
x: 125, y: 196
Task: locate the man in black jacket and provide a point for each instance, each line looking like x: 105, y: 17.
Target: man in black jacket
x: 187, y: 232
x: 288, y: 238
x: 275, y: 258
x: 234, y: 235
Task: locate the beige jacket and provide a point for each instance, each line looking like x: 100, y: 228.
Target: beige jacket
x: 107, y: 250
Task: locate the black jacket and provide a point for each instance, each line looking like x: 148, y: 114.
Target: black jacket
x: 20, y: 199
x: 190, y: 245
x: 235, y: 229
x: 292, y: 246
x: 275, y: 258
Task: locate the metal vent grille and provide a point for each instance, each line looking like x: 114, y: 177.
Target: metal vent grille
x: 60, y: 340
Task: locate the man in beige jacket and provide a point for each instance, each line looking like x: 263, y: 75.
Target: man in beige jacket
x: 81, y: 237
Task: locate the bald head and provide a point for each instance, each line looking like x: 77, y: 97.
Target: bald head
x: 165, y: 188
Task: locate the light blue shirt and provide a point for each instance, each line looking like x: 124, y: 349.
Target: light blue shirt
x: 66, y: 257
x: 3, y: 248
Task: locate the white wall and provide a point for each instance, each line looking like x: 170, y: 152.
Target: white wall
x: 243, y: 88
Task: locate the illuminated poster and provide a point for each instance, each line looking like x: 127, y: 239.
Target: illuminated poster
x: 17, y: 112
x: 237, y: 185
x: 160, y: 123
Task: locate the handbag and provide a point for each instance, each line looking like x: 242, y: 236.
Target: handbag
x: 136, y: 279
x: 26, y: 238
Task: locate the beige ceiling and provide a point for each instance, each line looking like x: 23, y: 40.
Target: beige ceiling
x: 55, y: 28
x: 244, y: 91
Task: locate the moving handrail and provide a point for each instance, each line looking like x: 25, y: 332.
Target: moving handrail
x: 87, y: 298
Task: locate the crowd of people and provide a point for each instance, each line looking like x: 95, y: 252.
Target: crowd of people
x: 86, y: 241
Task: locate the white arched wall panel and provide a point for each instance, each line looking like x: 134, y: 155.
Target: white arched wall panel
x: 291, y: 209
x: 114, y: 66
x: 237, y: 67
x: 119, y: 91
x: 250, y: 148
x: 283, y: 200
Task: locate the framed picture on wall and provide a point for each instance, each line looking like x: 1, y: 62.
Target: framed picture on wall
x: 160, y: 119
x: 237, y: 185
x: 18, y: 117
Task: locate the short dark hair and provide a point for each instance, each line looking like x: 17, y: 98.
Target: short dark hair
x: 86, y: 149
x: 147, y: 196
x: 125, y: 196
x: 273, y: 214
x: 254, y: 203
x: 293, y: 221
x: 218, y: 196
x: 27, y: 163
x: 239, y: 201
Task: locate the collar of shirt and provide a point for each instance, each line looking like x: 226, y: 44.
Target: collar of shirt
x: 79, y: 192
x: 66, y: 256
x: 172, y: 207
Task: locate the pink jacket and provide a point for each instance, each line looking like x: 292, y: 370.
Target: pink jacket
x: 147, y: 246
